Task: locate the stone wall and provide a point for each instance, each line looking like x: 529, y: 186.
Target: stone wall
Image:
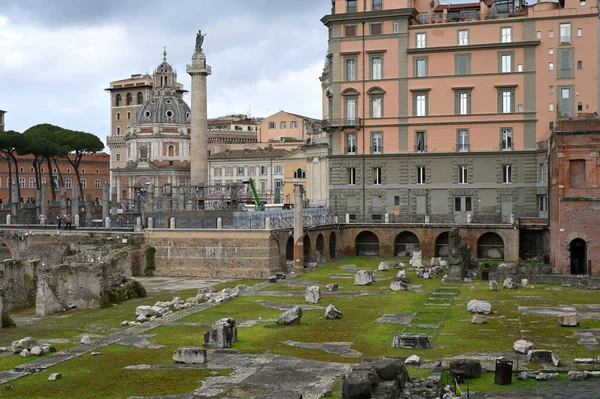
x: 216, y: 253
x: 20, y: 280
x: 52, y: 290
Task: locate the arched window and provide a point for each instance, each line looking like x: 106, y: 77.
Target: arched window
x: 118, y: 130
x: 129, y: 99
x: 140, y: 98
x: 171, y: 151
x: 118, y: 116
x: 118, y: 100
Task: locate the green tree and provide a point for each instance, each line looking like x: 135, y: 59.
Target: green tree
x: 43, y: 143
x: 11, y: 143
x: 78, y: 145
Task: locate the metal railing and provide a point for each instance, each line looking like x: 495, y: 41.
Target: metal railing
x: 340, y: 122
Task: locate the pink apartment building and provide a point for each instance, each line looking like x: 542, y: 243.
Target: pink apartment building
x: 444, y: 110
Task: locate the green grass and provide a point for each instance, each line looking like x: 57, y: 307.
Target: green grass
x: 104, y: 377
x: 456, y: 334
x: 231, y: 284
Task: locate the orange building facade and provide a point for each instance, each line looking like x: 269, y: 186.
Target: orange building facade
x: 444, y: 110
x: 94, y: 171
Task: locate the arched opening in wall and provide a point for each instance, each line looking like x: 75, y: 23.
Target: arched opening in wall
x: 140, y: 98
x: 118, y: 100
x: 171, y: 151
x: 578, y: 255
x: 490, y: 246
x: 366, y: 244
x: 321, y: 246
x: 441, y: 245
x: 406, y: 243
x: 332, y: 244
x: 129, y: 99
x: 5, y: 251
x: 68, y: 202
x: 289, y: 249
x: 307, y: 249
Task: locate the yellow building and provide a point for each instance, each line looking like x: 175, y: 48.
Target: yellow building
x: 286, y: 130
x: 294, y: 172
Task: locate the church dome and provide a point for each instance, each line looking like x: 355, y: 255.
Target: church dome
x: 165, y: 106
x: 164, y: 109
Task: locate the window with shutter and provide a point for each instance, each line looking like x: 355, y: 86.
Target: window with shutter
x: 463, y: 64
x: 565, y: 69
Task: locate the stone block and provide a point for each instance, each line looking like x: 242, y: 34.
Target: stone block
x: 476, y: 306
x: 478, y: 319
x: 523, y: 346
x: 363, y: 277
x: 333, y: 313
x: 291, y: 317
x: 190, y: 355
x: 411, y: 341
x: 541, y: 356
x: 332, y: 287
x: 23, y: 343
x: 414, y: 359
x: 493, y: 285
x: 577, y: 375
x: 398, y: 286
x: 54, y: 376
x: 383, y: 266
x: 312, y: 294
x: 469, y: 368
x: 569, y: 319
x: 222, y: 334
x: 509, y: 284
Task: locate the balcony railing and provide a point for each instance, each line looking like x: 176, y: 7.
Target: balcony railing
x: 420, y: 148
x: 341, y: 122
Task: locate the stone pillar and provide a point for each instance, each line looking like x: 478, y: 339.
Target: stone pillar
x: 107, y: 222
x: 88, y: 207
x: 105, y: 200
x: 199, y: 70
x: 219, y: 223
x: 8, y: 217
x: 150, y: 194
x: 44, y: 200
x: 347, y: 218
x: 387, y: 218
x: 172, y: 223
x: 113, y: 195
x: 150, y: 223
x: 76, y: 220
x: 267, y: 223
x: 75, y: 201
x: 63, y: 201
x: 298, y: 228
x: 38, y: 203
x: 15, y: 200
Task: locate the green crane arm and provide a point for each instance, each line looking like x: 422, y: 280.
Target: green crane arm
x: 258, y: 206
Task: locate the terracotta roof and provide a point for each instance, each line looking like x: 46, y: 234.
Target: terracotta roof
x: 244, y: 154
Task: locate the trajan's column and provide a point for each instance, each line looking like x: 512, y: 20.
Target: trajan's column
x: 198, y: 154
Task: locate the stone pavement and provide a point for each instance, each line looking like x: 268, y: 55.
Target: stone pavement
x: 588, y: 389
x: 263, y: 376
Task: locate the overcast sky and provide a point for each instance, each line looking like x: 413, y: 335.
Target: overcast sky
x: 58, y: 56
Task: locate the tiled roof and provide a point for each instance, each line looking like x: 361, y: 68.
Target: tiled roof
x: 244, y: 154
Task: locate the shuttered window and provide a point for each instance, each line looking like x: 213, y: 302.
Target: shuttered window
x: 565, y: 63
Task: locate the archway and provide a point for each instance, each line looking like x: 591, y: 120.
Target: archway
x: 578, y: 255
x: 332, y: 244
x: 406, y: 243
x: 289, y: 249
x: 490, y: 246
x: 441, y: 245
x: 366, y: 244
x: 321, y: 245
x: 307, y: 249
x: 6, y: 251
